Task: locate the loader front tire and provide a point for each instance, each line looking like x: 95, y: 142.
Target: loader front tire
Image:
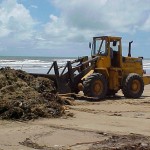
x: 133, y: 86
x: 95, y: 85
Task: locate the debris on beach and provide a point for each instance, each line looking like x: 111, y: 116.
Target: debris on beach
x: 24, y: 97
x: 123, y: 142
x: 115, y: 142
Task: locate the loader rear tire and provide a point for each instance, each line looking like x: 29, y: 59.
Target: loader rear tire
x: 133, y: 86
x: 95, y: 85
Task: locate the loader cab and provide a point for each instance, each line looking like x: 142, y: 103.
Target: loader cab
x: 99, y: 47
x: 109, y: 49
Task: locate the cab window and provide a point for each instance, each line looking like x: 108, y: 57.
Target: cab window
x: 114, y: 46
x: 100, y: 47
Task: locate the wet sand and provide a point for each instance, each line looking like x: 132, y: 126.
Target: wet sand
x: 91, y: 123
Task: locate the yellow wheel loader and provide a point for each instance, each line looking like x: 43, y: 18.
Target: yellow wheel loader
x: 103, y: 74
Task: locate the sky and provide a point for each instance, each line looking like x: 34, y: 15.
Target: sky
x: 64, y: 28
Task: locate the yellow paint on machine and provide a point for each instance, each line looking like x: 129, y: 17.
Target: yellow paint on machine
x: 88, y: 74
x: 146, y: 80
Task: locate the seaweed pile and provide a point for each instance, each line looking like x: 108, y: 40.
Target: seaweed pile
x: 24, y: 97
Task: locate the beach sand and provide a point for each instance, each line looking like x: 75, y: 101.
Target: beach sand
x: 92, y: 123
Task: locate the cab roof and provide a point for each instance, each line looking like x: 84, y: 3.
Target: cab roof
x: 111, y: 38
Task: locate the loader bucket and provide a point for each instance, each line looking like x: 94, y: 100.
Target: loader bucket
x: 68, y: 79
x: 60, y: 83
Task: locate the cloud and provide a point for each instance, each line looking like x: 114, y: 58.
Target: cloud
x: 73, y: 27
x: 105, y: 15
x: 15, y: 20
x: 57, y: 28
x: 78, y: 21
x: 34, y: 6
x: 17, y: 28
x: 146, y: 25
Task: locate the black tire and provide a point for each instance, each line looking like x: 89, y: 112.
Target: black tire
x: 95, y: 85
x: 133, y: 86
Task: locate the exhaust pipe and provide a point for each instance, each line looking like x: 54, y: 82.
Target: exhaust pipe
x: 129, y: 53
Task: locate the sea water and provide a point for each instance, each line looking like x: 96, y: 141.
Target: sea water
x: 32, y: 64
x: 42, y: 64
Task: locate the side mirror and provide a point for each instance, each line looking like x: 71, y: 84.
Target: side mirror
x: 90, y: 45
x: 114, y: 43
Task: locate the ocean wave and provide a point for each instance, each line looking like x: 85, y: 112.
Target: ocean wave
x: 6, y: 61
x: 42, y: 64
